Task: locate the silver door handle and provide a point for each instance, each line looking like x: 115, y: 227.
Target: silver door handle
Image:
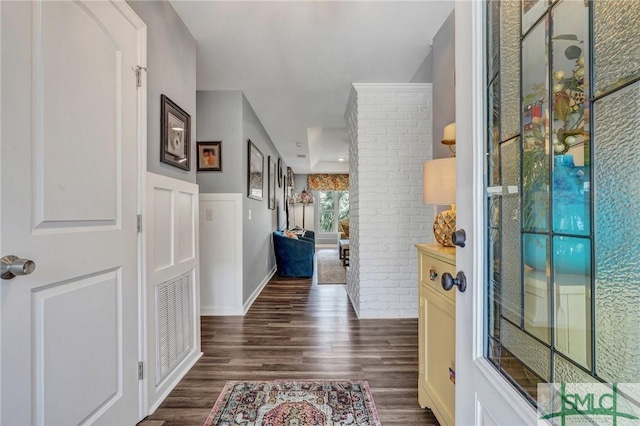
x: 12, y: 266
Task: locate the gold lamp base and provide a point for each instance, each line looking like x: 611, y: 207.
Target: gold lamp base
x: 444, y: 226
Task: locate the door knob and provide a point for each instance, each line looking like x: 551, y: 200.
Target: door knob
x: 12, y: 266
x: 460, y: 281
x: 459, y: 237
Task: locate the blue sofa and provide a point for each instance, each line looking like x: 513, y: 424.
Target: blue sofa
x: 294, y: 258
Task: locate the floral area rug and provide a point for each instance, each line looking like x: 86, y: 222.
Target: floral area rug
x: 294, y: 403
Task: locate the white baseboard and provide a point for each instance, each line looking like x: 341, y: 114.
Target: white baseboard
x: 215, y: 311
x: 180, y: 371
x: 258, y: 290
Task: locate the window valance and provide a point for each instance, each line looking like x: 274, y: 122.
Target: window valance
x: 328, y: 182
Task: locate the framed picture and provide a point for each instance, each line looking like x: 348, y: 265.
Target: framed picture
x: 175, y: 134
x: 255, y: 171
x: 209, y: 156
x: 271, y: 183
x: 280, y: 173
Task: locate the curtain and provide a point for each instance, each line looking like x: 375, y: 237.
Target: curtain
x: 328, y: 182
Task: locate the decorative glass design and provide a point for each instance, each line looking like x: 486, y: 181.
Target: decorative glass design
x: 616, y: 28
x: 510, y: 68
x: 494, y: 210
x: 531, y: 352
x: 532, y: 10
x: 519, y: 373
x: 566, y: 372
x: 535, y: 88
x: 494, y: 133
x: 511, y: 251
x: 572, y: 273
x: 537, y: 302
x: 493, y: 37
x: 617, y: 235
x: 563, y: 298
x: 570, y: 78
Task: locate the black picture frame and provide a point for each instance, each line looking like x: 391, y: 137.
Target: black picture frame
x: 209, y: 156
x: 280, y: 172
x: 271, y: 184
x: 175, y: 134
x: 255, y: 172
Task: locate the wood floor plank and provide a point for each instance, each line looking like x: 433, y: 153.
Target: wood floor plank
x: 299, y: 330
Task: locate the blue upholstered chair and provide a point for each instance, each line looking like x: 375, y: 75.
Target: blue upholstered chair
x: 294, y: 258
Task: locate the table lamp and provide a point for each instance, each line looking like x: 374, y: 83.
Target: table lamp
x: 439, y: 188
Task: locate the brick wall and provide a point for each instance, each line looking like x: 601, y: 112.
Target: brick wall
x: 390, y: 137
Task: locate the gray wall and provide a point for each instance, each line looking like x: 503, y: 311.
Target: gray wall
x: 220, y: 119
x: 424, y: 74
x: 444, y: 107
x: 171, y: 64
x: 258, y: 257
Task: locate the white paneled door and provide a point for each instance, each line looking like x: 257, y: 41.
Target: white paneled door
x: 483, y: 396
x: 69, y: 200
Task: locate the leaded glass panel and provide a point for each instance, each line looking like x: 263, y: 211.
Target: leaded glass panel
x: 510, y: 68
x: 535, y: 89
x: 563, y: 289
x: 494, y: 133
x: 531, y: 352
x: 616, y: 27
x: 493, y: 37
x: 572, y: 298
x: 617, y: 235
x: 511, y: 249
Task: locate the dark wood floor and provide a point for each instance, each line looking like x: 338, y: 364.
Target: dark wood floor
x: 297, y: 329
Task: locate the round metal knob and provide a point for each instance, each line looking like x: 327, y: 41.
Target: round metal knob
x: 459, y: 237
x: 12, y: 266
x: 460, y: 281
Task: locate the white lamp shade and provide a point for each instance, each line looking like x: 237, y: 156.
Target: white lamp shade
x: 439, y: 181
x: 449, y: 132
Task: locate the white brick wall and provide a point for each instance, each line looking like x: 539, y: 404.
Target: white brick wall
x: 390, y: 137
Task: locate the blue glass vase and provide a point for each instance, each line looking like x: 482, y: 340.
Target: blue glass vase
x: 570, y: 216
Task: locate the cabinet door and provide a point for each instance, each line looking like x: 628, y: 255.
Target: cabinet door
x: 436, y: 382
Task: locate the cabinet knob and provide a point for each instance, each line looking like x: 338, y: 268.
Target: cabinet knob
x: 432, y: 274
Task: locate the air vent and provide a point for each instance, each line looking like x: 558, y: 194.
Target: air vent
x: 302, y: 155
x: 174, y: 309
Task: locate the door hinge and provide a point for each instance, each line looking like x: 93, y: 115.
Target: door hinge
x: 140, y: 370
x: 138, y: 69
x: 139, y: 223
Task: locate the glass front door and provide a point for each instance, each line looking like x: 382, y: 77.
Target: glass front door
x: 563, y: 191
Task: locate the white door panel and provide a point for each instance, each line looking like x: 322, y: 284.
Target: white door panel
x: 483, y: 396
x: 69, y: 202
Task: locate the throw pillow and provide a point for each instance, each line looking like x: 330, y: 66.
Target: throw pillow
x: 290, y: 235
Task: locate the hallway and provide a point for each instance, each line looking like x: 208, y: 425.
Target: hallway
x: 297, y: 329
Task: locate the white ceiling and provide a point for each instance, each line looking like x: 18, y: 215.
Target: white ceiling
x: 295, y: 62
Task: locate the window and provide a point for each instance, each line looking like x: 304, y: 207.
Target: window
x: 333, y: 206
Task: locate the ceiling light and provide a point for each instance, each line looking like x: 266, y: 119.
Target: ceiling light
x: 179, y: 129
x: 340, y: 159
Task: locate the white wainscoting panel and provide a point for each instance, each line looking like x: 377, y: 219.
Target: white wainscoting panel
x: 221, y: 254
x: 172, y: 289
